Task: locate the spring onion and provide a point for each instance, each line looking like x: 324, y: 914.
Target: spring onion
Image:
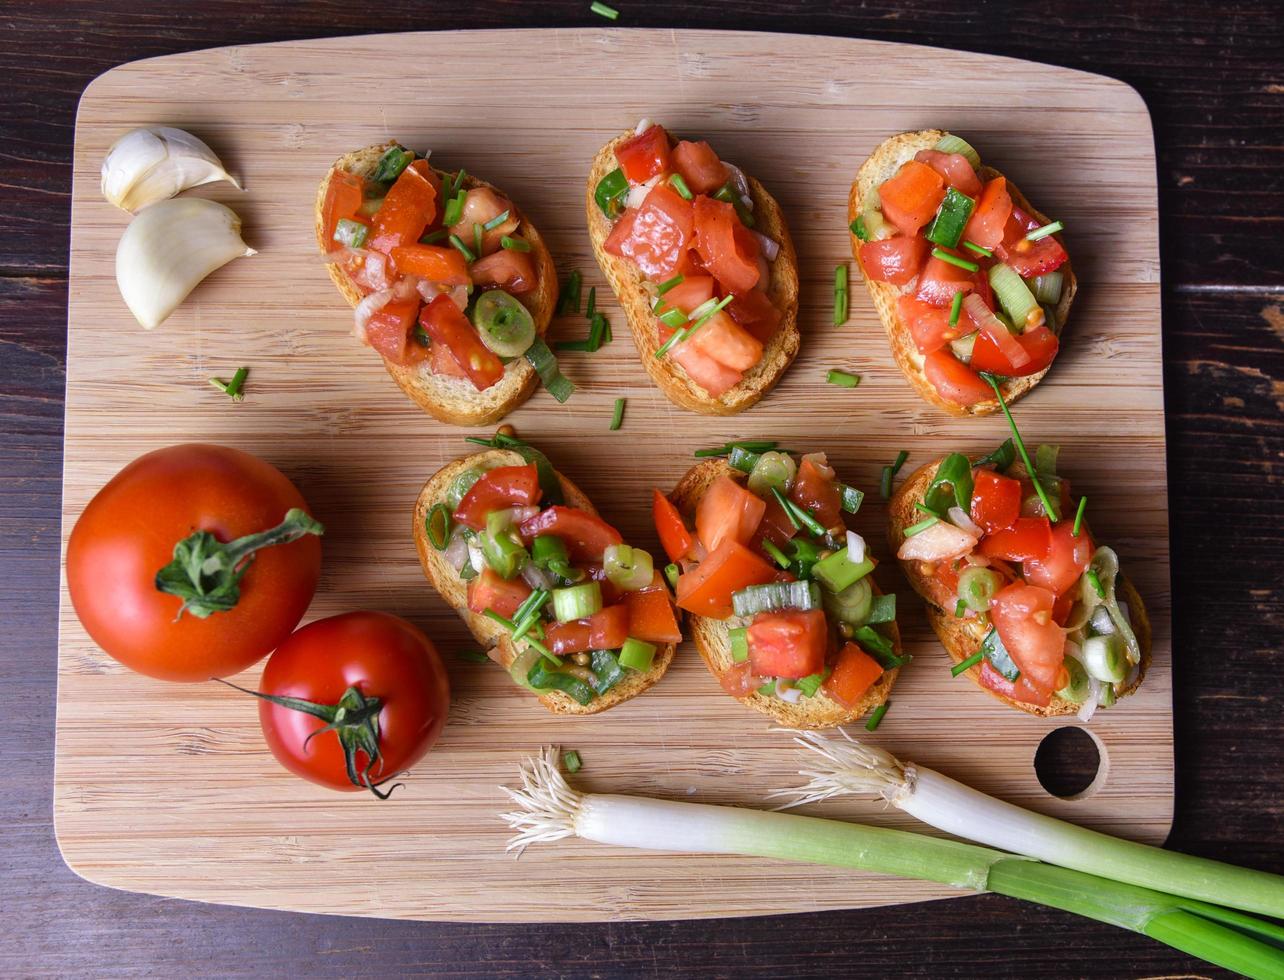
x: 997, y: 655
x: 501, y: 547
x: 922, y: 525
x: 505, y: 326
x: 837, y: 571
x: 472, y: 656
x: 674, y: 339
x: 702, y: 315
x: 394, y: 160
x: 798, y: 516
x: 977, y: 587
x: 770, y: 469
x: 637, y: 654
x: 744, y: 460
x: 1045, y: 458
x: 728, y: 194
x: 853, y: 605
x: 859, y: 230
x: 879, y: 647
x: 1078, y: 516
x: 514, y: 244
x: 496, y: 221
x: 233, y: 388
x: 738, y: 640
x: 569, y: 300
x: 751, y: 445
x: 602, y: 10
x: 876, y: 718
x: 1048, y: 508
x: 617, y: 415
x: 844, y: 379
x: 545, y: 365
x: 627, y: 568
x: 1077, y: 686
x: 463, y: 249
x: 454, y: 209
x: 577, y: 601
x: 1002, y: 457
x: 778, y: 556
x: 774, y: 596
x: 1045, y: 231
x: 477, y: 239
x: 611, y: 192
x: 607, y: 671
x: 951, y: 485
x: 956, y: 307
x: 530, y: 641
x: 437, y: 525
x: 960, y: 609
x: 850, y: 498
x: 952, y: 259
x: 541, y: 678
x: 978, y: 249
x: 965, y: 665
x: 433, y: 237
x: 1013, y: 294
x: 680, y: 185
x: 668, y: 284
x: 949, y: 143
x: 527, y: 615
x: 671, y: 573
x: 951, y: 217
x: 1047, y: 287
x: 571, y: 761
x: 351, y: 234
x: 1104, y: 659
x: 882, y: 609
x: 840, y: 296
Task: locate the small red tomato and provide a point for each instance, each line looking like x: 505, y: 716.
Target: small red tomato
x: 387, y: 676
x: 193, y: 562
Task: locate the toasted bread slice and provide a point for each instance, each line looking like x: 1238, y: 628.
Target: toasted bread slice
x: 628, y: 283
x: 962, y: 637
x: 453, y: 400
x: 883, y: 163
x: 712, y: 640
x: 491, y: 635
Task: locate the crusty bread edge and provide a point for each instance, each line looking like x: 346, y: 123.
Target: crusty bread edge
x: 886, y: 159
x: 453, y: 400
x: 711, y: 635
x: 961, y: 638
x: 627, y: 283
x: 454, y: 590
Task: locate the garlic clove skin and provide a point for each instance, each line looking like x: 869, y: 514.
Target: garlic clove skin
x: 169, y: 248
x: 155, y: 163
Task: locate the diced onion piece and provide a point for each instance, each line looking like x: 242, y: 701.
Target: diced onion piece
x: 940, y: 542
x: 790, y: 694
x: 643, y: 125
x: 960, y: 518
x: 368, y: 307
x: 638, y: 192
x: 538, y: 578
x: 377, y: 270
x: 740, y: 182
x: 855, y: 547
x: 456, y: 553
x: 770, y: 247
x: 429, y: 291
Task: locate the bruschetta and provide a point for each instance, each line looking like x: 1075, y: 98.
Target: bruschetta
x: 782, y: 603
x: 1022, y: 597
x: 550, y: 589
x: 452, y: 285
x: 699, y: 257
x: 967, y: 276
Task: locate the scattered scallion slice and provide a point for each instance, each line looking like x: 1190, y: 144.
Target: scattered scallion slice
x: 545, y: 365
x: 876, y: 718
x: 844, y: 379
x: 477, y: 239
x: 463, y: 249
x: 965, y: 665
x: 850, y: 497
x: 840, y: 295
x: 1048, y: 229
x: 1047, y: 287
x: 514, y: 244
x: 454, y: 209
x: 1048, y: 508
x: 232, y: 388
x: 351, y: 234
x: 671, y: 573
x: 1095, y: 581
x: 1013, y: 294
x: 1078, y: 516
x: 602, y: 10
x: 738, y: 640
x: 947, y: 227
x: 437, y: 525
x: 472, y: 656
x: 394, y: 160
x: 496, y: 221
x: 668, y: 284
x: 433, y: 237
x: 611, y: 193
x: 779, y: 556
x: 569, y: 300
x: 699, y: 319
x: 571, y: 761
x: 956, y: 307
x: 637, y: 654
x: 680, y: 185
x: 949, y: 143
x: 922, y: 525
x: 617, y: 417
x: 978, y: 249
x: 952, y: 259
x: 859, y: 230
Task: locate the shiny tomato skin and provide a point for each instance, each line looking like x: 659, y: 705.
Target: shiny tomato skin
x: 855, y: 672
x: 710, y: 374
x: 955, y: 170
x: 446, y: 326
x: 989, y: 219
x: 756, y: 313
x: 953, y: 380
x: 604, y: 630
x: 739, y: 680
x: 672, y: 529
x: 390, y: 332
x: 409, y: 207
x: 910, y: 197
x: 728, y: 343
x: 643, y: 156
x: 586, y: 535
x: 1029, y: 258
x: 651, y: 616
x: 445, y: 266
x: 344, y: 195
x: 1039, y: 343
x: 383, y: 656
x: 689, y: 293
x: 728, y: 511
x: 655, y: 236
x: 498, y: 489
x: 699, y: 166
x: 706, y: 589
x: 1067, y: 559
x: 940, y: 280
x: 490, y: 590
x: 731, y: 258
x: 1018, y: 690
x: 814, y: 490
x: 128, y: 531
x: 929, y: 325
x: 1022, y: 614
x: 996, y: 500
x: 1027, y: 538
x: 791, y: 643
x: 895, y: 260
x: 511, y: 271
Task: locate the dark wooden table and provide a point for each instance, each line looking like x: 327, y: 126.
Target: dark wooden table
x: 1214, y: 80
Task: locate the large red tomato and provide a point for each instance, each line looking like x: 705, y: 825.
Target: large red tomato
x: 206, y: 497
x: 387, y: 675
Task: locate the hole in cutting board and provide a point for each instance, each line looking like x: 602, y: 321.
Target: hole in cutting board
x: 1071, y: 763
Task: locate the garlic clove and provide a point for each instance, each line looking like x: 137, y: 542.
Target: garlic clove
x: 155, y: 163
x: 169, y: 248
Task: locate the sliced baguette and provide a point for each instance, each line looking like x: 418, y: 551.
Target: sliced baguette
x: 491, y: 635
x: 712, y: 640
x: 962, y: 637
x: 627, y: 281
x: 453, y: 400
x: 883, y: 163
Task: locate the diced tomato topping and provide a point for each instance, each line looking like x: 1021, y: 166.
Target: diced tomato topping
x: 655, y: 236
x: 1062, y: 609
x: 706, y: 589
x: 411, y: 203
x: 983, y: 289
x: 732, y: 259
x: 441, y: 361
x: 713, y: 376
x: 1023, y: 616
x: 928, y: 325
x: 482, y: 205
x: 1026, y: 538
x: 954, y: 167
x: 445, y: 266
x: 986, y: 225
x: 896, y: 260
x: 776, y: 526
x: 721, y: 338
x: 996, y: 500
x: 815, y: 491
x: 941, y: 280
x: 390, y: 331
x: 1039, y: 344
x: 651, y: 616
x: 911, y: 197
x: 728, y: 511
x: 344, y: 195
x: 756, y: 313
x: 1067, y: 559
x: 689, y: 293
x: 1017, y: 691
x: 1028, y: 258
x: 490, y: 591
x: 585, y: 534
x: 604, y: 630
x: 672, y: 529
x: 445, y: 324
x: 739, y: 680
x: 699, y: 166
x: 855, y: 672
x: 643, y: 156
x: 498, y: 489
x: 788, y: 644
x: 513, y: 272
x: 996, y: 335
x: 954, y: 380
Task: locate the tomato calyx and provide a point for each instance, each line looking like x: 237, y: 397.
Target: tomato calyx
x: 206, y: 573
x: 354, y: 719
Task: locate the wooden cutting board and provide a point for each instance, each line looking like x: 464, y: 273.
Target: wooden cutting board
x: 169, y: 789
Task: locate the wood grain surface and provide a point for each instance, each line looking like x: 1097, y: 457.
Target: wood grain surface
x: 1212, y: 83
x: 231, y: 825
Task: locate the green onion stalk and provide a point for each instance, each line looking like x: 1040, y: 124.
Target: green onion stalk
x: 549, y: 809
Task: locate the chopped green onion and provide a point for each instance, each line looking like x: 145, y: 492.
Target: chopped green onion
x: 947, y: 227
x: 840, y: 295
x: 602, y: 10
x: 997, y: 654
x: 879, y: 647
x: 960, y: 609
x: 885, y: 485
x: 950, y: 485
x: 437, y: 525
x: 1095, y: 581
x: 859, y: 230
x: 978, y: 249
x: 876, y: 718
x: 617, y: 417
x: 843, y: 379
x: 922, y: 525
x: 779, y: 556
x: 745, y: 461
x: 681, y: 187
x: 463, y: 249
x: 1013, y: 294
x: 837, y: 572
x: 668, y: 284
x: 707, y: 315
x: 477, y: 238
x: 901, y: 457
x: 774, y: 596
x: 611, y: 192
x: 504, y: 324
x: 350, y: 233
x: 1078, y: 516
x: 956, y: 307
x: 514, y: 244
x: 394, y: 160
x: 749, y: 445
x: 577, y: 601
x: 922, y: 508
x: 637, y: 654
x: 672, y: 317
x: 454, y: 210
x: 851, y: 498
x: 496, y: 221
x: 810, y: 684
x: 457, y: 185
x: 545, y: 365
x: 944, y: 256
x: 1047, y: 287
x: 542, y: 679
x: 1104, y: 657
x: 949, y: 143
x: 433, y: 237
x: 473, y: 656
x: 728, y: 194
x: 233, y: 388
x: 592, y: 303
x: 629, y: 569
x: 572, y: 345
x: 569, y: 300
x: 671, y: 573
x: 798, y: 517
x: 674, y: 339
x: 1045, y: 231
x: 527, y: 615
x: 508, y: 624
x: 1048, y: 508
x: 1002, y: 457
x: 571, y: 761
x: 968, y: 664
